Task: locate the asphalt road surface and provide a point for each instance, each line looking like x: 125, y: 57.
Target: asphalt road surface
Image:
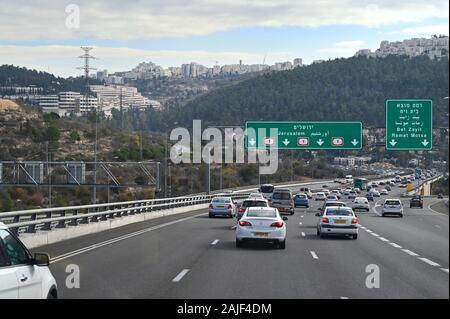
x: 193, y: 256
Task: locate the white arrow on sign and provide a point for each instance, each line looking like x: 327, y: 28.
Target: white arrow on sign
x: 425, y: 142
x: 393, y: 142
x: 286, y: 142
x: 320, y: 142
x: 355, y: 142
x: 252, y: 141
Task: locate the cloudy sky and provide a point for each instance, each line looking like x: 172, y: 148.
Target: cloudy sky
x: 46, y: 34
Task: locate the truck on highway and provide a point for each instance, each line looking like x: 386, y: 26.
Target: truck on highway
x: 360, y: 183
x: 418, y: 173
x: 349, y: 179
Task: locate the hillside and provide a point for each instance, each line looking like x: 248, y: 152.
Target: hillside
x: 342, y: 89
x: 11, y: 75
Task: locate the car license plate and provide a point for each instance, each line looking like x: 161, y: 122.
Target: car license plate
x: 339, y: 221
x: 262, y: 234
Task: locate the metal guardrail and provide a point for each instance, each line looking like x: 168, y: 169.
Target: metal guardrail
x: 29, y: 221
x: 46, y: 219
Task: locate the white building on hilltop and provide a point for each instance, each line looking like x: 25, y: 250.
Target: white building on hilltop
x: 434, y: 47
x: 114, y: 96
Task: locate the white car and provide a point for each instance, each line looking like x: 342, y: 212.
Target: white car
x: 261, y: 224
x: 222, y: 206
x: 22, y: 275
x: 256, y: 196
x: 337, y: 193
x: 321, y: 196
x: 384, y: 191
x: 392, y: 207
x: 347, y: 191
x: 374, y: 192
x: 251, y: 203
x: 337, y: 221
x: 332, y: 197
x: 361, y: 203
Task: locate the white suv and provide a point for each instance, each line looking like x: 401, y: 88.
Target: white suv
x: 392, y: 207
x: 23, y: 275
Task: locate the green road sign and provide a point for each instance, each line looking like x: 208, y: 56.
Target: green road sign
x: 409, y: 125
x: 304, y: 135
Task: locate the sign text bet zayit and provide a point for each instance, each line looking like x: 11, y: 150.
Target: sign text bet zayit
x: 409, y: 124
x: 304, y: 135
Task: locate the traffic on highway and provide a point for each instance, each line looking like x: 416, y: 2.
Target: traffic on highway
x: 264, y: 231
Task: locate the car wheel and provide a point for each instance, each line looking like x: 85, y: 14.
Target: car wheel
x: 318, y: 232
x: 292, y: 213
x: 383, y: 214
x: 238, y: 243
x: 210, y: 215
x: 282, y: 244
x: 401, y: 215
x: 322, y: 235
x: 355, y: 236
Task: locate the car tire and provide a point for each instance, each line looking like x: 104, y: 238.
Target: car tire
x: 210, y: 216
x: 383, y: 215
x: 52, y: 294
x: 322, y: 235
x: 238, y: 243
x: 282, y: 244
x: 292, y: 213
x: 401, y: 215
x: 355, y: 236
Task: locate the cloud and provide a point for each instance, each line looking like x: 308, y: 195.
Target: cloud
x: 139, y: 19
x: 424, y: 30
x: 343, y: 48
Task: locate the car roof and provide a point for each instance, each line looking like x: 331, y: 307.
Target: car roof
x: 256, y: 200
x: 224, y: 197
x: 360, y: 197
x: 338, y: 207
x: 393, y: 199
x: 3, y: 226
x: 335, y: 202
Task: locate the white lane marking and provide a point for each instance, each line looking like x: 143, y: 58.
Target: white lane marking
x: 300, y: 223
x: 117, y: 239
x: 314, y: 255
x: 429, y: 262
x: 234, y: 227
x: 395, y: 245
x: 302, y: 216
x: 429, y: 207
x: 303, y: 234
x: 445, y: 270
x: 368, y: 230
x: 375, y: 234
x: 345, y: 297
x: 180, y: 275
x: 383, y: 239
x: 437, y: 226
x: 215, y: 242
x: 409, y: 252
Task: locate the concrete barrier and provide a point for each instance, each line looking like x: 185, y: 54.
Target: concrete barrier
x: 42, y: 238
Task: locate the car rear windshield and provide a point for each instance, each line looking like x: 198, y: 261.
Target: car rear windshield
x: 337, y: 212
x: 254, y: 203
x: 281, y: 195
x: 392, y: 202
x: 334, y: 204
x: 301, y: 196
x: 262, y: 213
x: 221, y: 200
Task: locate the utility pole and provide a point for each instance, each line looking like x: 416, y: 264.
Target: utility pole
x: 140, y: 145
x: 208, y: 173
x: 49, y: 178
x: 165, y: 164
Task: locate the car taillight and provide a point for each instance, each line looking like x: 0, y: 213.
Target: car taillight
x: 355, y: 221
x: 325, y: 220
x: 210, y: 205
x: 241, y: 209
x: 277, y: 224
x: 244, y: 223
x: 230, y: 207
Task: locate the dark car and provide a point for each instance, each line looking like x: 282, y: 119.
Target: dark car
x: 388, y: 188
x: 440, y: 196
x: 369, y: 197
x: 416, y: 201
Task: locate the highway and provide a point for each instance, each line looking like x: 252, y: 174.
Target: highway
x: 192, y: 256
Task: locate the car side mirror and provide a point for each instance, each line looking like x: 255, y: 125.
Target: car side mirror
x: 284, y: 218
x: 320, y: 208
x: 318, y: 214
x: 40, y: 259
